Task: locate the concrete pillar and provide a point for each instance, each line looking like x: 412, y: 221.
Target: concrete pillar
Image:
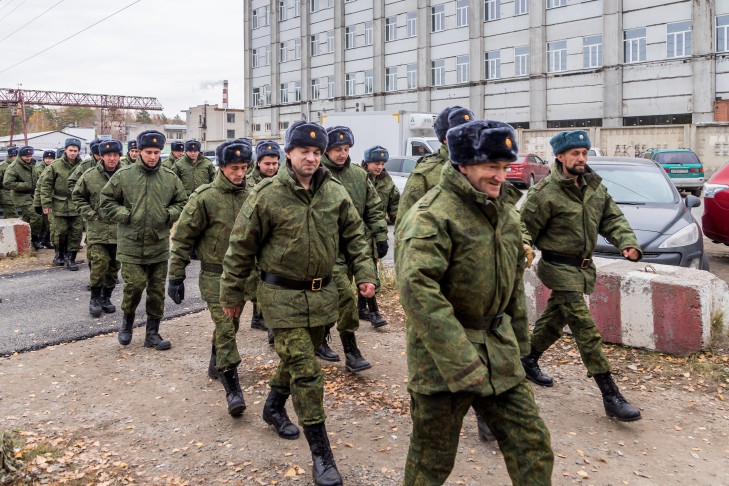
x: 476, y: 92
x: 275, y: 107
x: 537, y: 64
x: 338, y: 56
x: 378, y: 54
x: 703, y: 67
x: 424, y: 97
x: 247, y: 70
x: 612, y: 59
x: 305, y: 60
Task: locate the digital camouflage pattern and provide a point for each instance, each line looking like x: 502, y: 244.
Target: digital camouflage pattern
x: 423, y: 178
x: 103, y: 265
x: 169, y: 162
x: 47, y: 219
x: 6, y: 198
x: 82, y: 167
x: 86, y: 196
x: 253, y: 177
x: 54, y: 190
x: 388, y: 192
x: 137, y: 278
x: 127, y: 161
x: 226, y: 346
x: 194, y: 174
x: 21, y: 178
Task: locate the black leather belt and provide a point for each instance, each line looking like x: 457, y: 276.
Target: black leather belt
x: 315, y: 284
x: 559, y: 258
x: 211, y: 267
x: 481, y: 323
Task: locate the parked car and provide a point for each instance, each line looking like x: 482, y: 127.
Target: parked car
x: 595, y: 152
x: 399, y: 169
x: 715, y: 220
x: 667, y: 232
x: 682, y: 166
x: 526, y: 170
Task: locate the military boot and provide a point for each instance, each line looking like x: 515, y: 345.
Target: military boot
x: 354, y: 361
x: 257, y: 319
x: 375, y: 317
x: 59, y: 259
x: 484, y: 433
x: 324, y: 469
x: 615, y: 404
x: 71, y: 261
x: 106, y: 304
x: 324, y: 351
x: 274, y: 413
x: 212, y: 365
x: 46, y: 240
x: 126, y: 330
x: 533, y: 373
x: 233, y: 393
x: 95, y: 303
x: 364, y: 313
x: 35, y: 242
x: 153, y: 339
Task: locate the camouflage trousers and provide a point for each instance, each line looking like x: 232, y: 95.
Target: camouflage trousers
x: 298, y: 372
x: 138, y: 277
x: 348, y: 316
x: 226, y: 347
x: 6, y: 201
x: 33, y: 219
x: 68, y: 229
x: 103, y: 265
x: 569, y: 308
x: 512, y: 416
x: 45, y: 223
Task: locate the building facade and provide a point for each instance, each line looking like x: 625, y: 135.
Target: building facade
x: 212, y: 125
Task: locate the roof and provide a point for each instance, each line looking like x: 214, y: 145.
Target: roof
x: 31, y: 136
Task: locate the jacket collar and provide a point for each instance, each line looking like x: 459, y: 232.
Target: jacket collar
x: 332, y: 166
x: 224, y: 185
x: 287, y: 177
x: 590, y: 179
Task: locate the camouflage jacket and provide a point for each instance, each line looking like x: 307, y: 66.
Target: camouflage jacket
x: 86, y: 194
x: 460, y: 259
x: 206, y: 223
x: 126, y: 160
x: 424, y: 177
x: 85, y: 165
x: 563, y: 218
x: 194, y: 175
x: 253, y: 177
x: 169, y: 162
x: 145, y: 202
x: 3, y: 167
x: 54, y: 191
x: 389, y: 195
x: 36, y: 193
x: 301, y: 243
x: 21, y: 178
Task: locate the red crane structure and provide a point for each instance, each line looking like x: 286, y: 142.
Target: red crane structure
x: 111, y: 106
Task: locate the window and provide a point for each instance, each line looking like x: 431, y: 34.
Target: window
x: 297, y: 90
x: 492, y: 10
x: 261, y: 57
x: 314, y: 89
x: 254, y: 57
x: 314, y: 45
x: 634, y: 45
x: 282, y: 10
x: 284, y: 93
x: 678, y: 39
x: 297, y: 8
x: 283, y: 125
x: 349, y: 83
x: 267, y: 126
x: 230, y: 118
x: 330, y: 87
x: 556, y: 3
x: 256, y: 101
x: 437, y: 73
x: 492, y: 64
x: 283, y: 53
x: 390, y: 29
x: 412, y: 76
x: 592, y: 51
x: 462, y: 69
x: 391, y: 79
x: 255, y: 127
x: 260, y: 17
x: 330, y: 41
x: 368, y: 82
x: 230, y: 134
x: 722, y: 33
x: 521, y: 61
x: 437, y: 18
x: 461, y: 13
x: 297, y: 48
x: 313, y: 5
x: 521, y: 7
x: 412, y: 24
x: 368, y: 33
x: 266, y: 94
x: 349, y: 37
x: 556, y: 56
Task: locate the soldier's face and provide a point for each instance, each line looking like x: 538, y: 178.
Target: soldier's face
x: 192, y: 154
x: 71, y: 152
x: 48, y: 160
x: 111, y: 160
x: 26, y: 158
x: 133, y: 154
x: 177, y: 153
x: 96, y: 157
x: 304, y: 160
x: 235, y: 172
x: 268, y: 165
x: 150, y: 156
x: 486, y: 177
x: 375, y: 168
x: 574, y: 161
x: 338, y: 154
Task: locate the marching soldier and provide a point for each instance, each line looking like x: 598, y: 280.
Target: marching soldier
x: 459, y: 268
x: 6, y: 198
x: 86, y: 164
x: 193, y: 169
x: 131, y: 156
x: 21, y: 178
x: 46, y: 221
x: 145, y: 200
x: 206, y: 223
x: 176, y: 151
x: 564, y: 213
x: 296, y: 250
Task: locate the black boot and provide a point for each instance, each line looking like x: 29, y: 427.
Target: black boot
x: 106, y: 304
x: 270, y: 337
x: 615, y: 404
x: 324, y: 468
x: 126, y: 330
x: 274, y: 413
x: 484, y: 433
x: 95, y: 303
x: 212, y: 365
x: 375, y: 317
x: 46, y: 240
x: 35, y: 242
x: 153, y: 339
x: 353, y: 358
x: 324, y: 351
x: 59, y: 259
x: 257, y: 319
x: 364, y: 313
x: 533, y: 373
x: 233, y: 393
x: 71, y: 261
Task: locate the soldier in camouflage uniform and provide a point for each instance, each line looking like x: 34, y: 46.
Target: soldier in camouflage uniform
x: 86, y: 164
x: 564, y: 213
x: 176, y: 151
x: 21, y: 179
x: 459, y: 268
x: 369, y: 208
x: 206, y: 223
x: 46, y: 219
x: 6, y: 199
x: 56, y: 201
x: 145, y: 200
x: 194, y: 169
x: 131, y: 156
x: 296, y: 250
x: 100, y: 233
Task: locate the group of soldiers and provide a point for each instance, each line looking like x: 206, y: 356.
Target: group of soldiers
x: 299, y: 237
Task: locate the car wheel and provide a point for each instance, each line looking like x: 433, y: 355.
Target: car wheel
x: 531, y: 181
x: 704, y: 262
x: 696, y: 192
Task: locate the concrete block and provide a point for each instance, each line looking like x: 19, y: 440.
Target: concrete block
x: 14, y: 237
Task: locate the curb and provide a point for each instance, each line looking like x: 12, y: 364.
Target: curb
x: 14, y: 237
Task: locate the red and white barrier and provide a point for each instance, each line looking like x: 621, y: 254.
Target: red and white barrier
x: 657, y: 307
x: 14, y: 237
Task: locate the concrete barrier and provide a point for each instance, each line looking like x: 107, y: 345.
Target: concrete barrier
x: 14, y: 237
x: 657, y: 307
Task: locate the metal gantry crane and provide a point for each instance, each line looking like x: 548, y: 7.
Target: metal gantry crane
x: 111, y: 105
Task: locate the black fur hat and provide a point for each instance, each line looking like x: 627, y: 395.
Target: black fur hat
x: 72, y: 141
x: 26, y: 150
x: 94, y: 145
x: 267, y: 147
x: 49, y: 153
x: 131, y: 145
x: 449, y: 118
x: 13, y: 152
x: 239, y: 150
x: 150, y: 138
x: 482, y: 141
x: 305, y: 134
x: 192, y: 145
x: 110, y: 146
x: 339, y: 136
x: 376, y: 154
x: 177, y: 147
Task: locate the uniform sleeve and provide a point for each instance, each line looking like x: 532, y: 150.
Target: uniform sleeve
x: 178, y: 202
x: 74, y: 176
x: 374, y: 213
x: 81, y: 198
x: 211, y: 172
x: 190, y: 226
x: 616, y: 229
x: 111, y: 202
x: 46, y: 187
x: 534, y: 216
x: 516, y: 308
x: 393, y: 203
x: 36, y: 193
x: 11, y: 180
x: 414, y: 190
x: 354, y: 245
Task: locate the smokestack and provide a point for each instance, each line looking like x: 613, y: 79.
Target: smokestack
x: 225, y: 94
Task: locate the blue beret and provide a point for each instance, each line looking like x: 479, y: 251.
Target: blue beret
x: 339, y: 136
x: 564, y: 141
x: 150, y: 138
x: 482, y: 141
x: 239, y: 150
x: 132, y: 145
x: 449, y: 118
x: 26, y: 150
x: 376, y: 154
x: 177, y: 146
x: 267, y: 147
x: 94, y: 145
x: 193, y: 145
x: 49, y: 153
x: 110, y: 146
x: 13, y: 152
x: 305, y: 134
x: 72, y: 141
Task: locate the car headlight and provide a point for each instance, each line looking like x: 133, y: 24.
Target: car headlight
x: 683, y: 237
x: 711, y: 190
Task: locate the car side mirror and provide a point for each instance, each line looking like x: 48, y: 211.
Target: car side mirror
x: 692, y: 201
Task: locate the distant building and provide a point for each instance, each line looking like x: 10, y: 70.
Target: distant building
x: 51, y: 140
x: 171, y: 131
x: 212, y: 125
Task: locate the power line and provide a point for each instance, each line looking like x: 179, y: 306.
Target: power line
x: 13, y: 10
x: 7, y: 5
x: 69, y: 37
x: 32, y: 20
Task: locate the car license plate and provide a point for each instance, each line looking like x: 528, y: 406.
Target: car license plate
x: 679, y: 171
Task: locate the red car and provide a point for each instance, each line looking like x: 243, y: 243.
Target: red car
x: 715, y: 220
x: 527, y: 170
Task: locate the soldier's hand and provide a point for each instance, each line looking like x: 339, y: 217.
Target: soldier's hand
x: 47, y: 211
x: 176, y: 290
x: 232, y: 311
x: 477, y: 381
x: 367, y: 290
x: 529, y: 255
x: 38, y: 210
x: 382, y: 248
x: 631, y: 254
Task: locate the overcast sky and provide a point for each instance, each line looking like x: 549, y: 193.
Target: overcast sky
x: 177, y: 51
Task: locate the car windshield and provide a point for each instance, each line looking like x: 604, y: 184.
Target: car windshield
x: 677, y: 158
x: 434, y: 144
x: 630, y: 184
x: 408, y: 165
x: 520, y: 159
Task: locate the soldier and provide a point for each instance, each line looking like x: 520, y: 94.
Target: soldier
x: 369, y: 208
x: 206, y: 223
x: 176, y: 150
x: 131, y: 156
x: 296, y: 250
x: 193, y: 169
x: 56, y: 201
x: 85, y: 164
x: 145, y: 200
x: 21, y: 178
x: 100, y: 233
x: 46, y: 221
x: 459, y: 268
x: 564, y: 213
x: 6, y: 199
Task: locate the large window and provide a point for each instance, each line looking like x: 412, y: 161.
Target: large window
x: 368, y: 84
x: 297, y: 48
x: 722, y: 33
x: 330, y: 87
x: 437, y: 73
x: 461, y: 13
x: 412, y: 24
x: 330, y: 41
x: 634, y: 45
x: 260, y: 17
x: 462, y: 64
x: 368, y: 33
x: 283, y: 53
x: 521, y: 61
x: 592, y: 51
x: 283, y: 93
x: 314, y: 44
x: 349, y: 37
x: 492, y: 64
x: 391, y: 79
x: 261, y: 56
x: 556, y: 3
x: 282, y: 10
x: 521, y: 7
x: 314, y: 89
x: 556, y: 56
x: 412, y: 76
x: 266, y: 93
x: 678, y: 39
x: 391, y: 29
x: 297, y: 8
x: 492, y: 9
x: 230, y: 117
x: 437, y: 18
x: 349, y: 84
x: 297, y: 90
x: 256, y: 98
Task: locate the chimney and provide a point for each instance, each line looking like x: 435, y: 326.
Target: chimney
x: 225, y: 94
